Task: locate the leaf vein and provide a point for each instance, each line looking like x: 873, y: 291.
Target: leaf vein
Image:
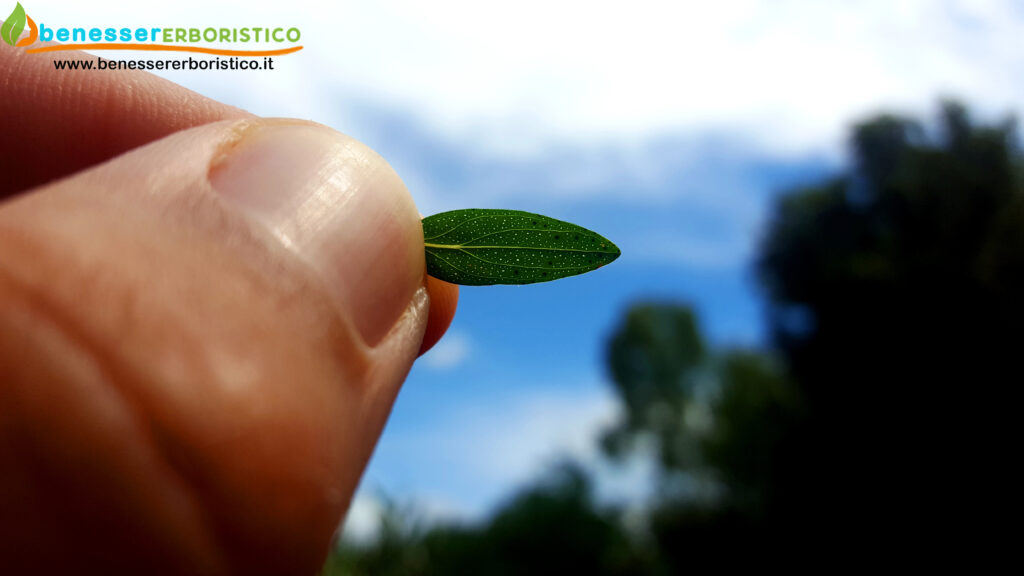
x: 446, y: 261
x: 457, y: 226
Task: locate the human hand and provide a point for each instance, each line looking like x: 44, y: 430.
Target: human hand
x: 203, y: 325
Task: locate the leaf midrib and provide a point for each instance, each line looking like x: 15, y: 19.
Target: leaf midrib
x: 470, y: 246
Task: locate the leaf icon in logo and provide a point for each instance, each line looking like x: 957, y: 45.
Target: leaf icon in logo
x: 13, y: 25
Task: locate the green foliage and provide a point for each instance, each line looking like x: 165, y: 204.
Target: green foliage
x: 480, y: 247
x: 553, y: 527
x: 894, y: 293
x: 655, y: 358
x: 717, y: 420
x: 754, y: 409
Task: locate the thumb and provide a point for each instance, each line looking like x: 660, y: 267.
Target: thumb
x: 200, y: 342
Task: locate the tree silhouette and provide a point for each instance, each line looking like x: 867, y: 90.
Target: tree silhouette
x: 655, y: 359
x: 552, y: 527
x: 894, y: 296
x: 718, y: 421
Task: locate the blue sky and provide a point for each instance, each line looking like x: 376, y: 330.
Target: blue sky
x: 666, y: 126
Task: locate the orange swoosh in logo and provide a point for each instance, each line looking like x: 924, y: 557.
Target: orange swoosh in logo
x: 33, y: 32
x: 163, y: 48
x: 33, y: 35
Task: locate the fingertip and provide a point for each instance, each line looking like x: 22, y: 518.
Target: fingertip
x: 444, y: 299
x: 340, y: 207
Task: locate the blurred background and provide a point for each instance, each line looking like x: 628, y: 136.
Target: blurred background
x: 808, y: 337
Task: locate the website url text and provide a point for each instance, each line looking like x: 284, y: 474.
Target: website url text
x: 233, y: 63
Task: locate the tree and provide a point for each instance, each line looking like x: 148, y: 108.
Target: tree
x: 895, y: 299
x: 551, y: 527
x: 718, y: 422
x: 894, y: 303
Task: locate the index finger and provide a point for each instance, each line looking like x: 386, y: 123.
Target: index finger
x: 58, y: 122
x: 62, y: 121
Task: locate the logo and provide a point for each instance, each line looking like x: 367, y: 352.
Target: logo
x: 241, y: 41
x: 14, y: 25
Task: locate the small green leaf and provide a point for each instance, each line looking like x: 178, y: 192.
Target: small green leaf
x: 13, y: 25
x: 480, y: 247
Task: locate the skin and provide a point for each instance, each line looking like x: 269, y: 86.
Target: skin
x: 194, y: 369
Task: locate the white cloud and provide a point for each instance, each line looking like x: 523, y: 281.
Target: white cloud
x: 786, y: 74
x: 462, y: 462
x: 531, y: 431
x: 472, y: 453
x: 449, y: 353
x: 363, y: 519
